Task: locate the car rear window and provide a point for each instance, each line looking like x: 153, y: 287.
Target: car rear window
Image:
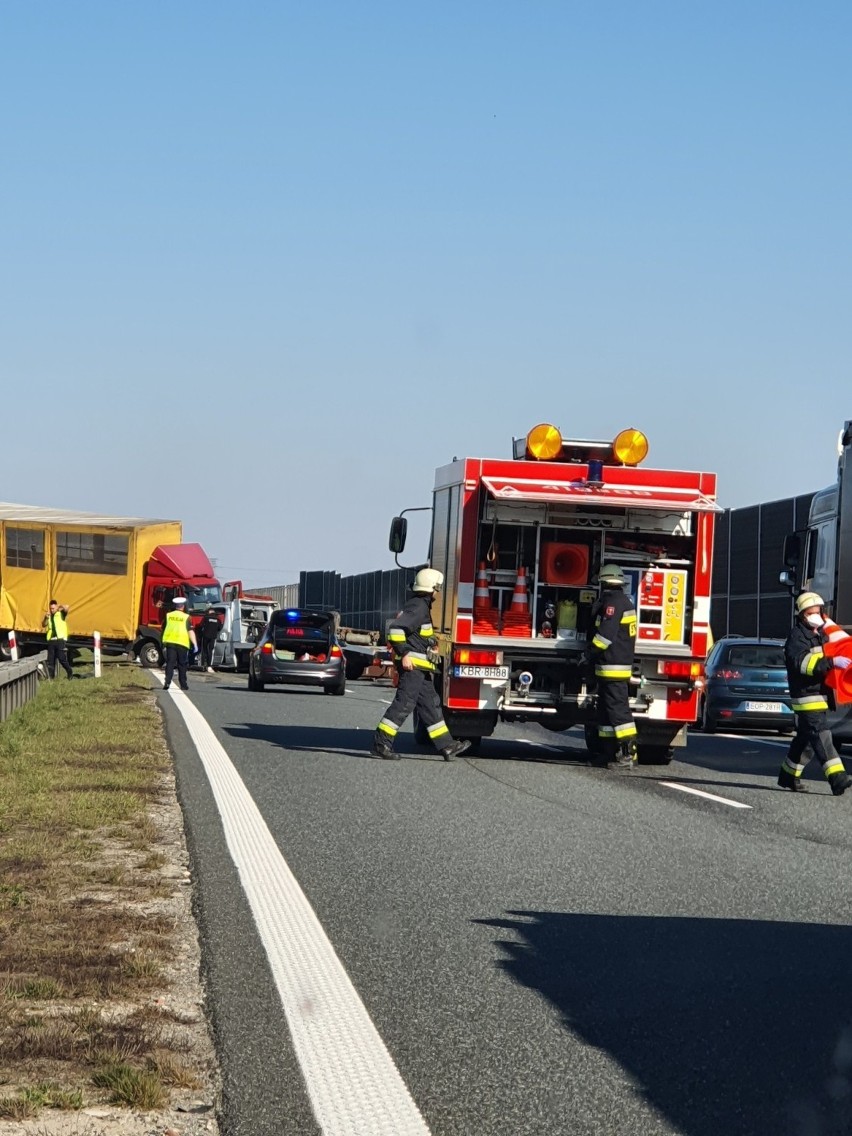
x: 300, y: 628
x: 757, y: 655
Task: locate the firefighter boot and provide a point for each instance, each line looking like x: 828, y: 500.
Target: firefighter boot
x: 625, y: 757
x: 382, y: 748
x: 839, y: 783
x: 452, y: 751
x: 787, y: 781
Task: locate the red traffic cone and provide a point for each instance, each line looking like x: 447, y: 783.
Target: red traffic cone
x: 520, y: 597
x: 481, y: 595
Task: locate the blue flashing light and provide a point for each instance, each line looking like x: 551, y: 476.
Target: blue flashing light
x: 292, y: 614
x: 595, y: 472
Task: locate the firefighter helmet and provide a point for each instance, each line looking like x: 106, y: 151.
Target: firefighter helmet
x: 808, y: 599
x: 612, y: 575
x: 428, y: 580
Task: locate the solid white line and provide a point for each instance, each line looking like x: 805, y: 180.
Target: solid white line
x: 354, y: 1086
x: 701, y: 793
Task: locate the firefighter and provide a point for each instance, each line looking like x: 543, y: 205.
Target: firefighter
x: 612, y: 650
x: 411, y: 639
x: 178, y: 635
x: 807, y: 667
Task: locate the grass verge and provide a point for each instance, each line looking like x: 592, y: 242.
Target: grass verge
x: 86, y: 934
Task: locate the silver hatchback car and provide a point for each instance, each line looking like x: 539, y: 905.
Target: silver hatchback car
x: 299, y: 647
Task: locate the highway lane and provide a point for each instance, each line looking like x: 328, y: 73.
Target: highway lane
x: 543, y: 947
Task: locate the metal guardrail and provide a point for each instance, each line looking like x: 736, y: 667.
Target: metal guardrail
x: 18, y: 683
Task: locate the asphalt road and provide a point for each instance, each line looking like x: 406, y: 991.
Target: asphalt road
x: 544, y: 948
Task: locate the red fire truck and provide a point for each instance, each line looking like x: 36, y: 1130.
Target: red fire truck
x: 520, y: 543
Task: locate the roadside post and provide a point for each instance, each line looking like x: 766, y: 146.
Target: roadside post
x: 97, y: 654
x: 13, y: 646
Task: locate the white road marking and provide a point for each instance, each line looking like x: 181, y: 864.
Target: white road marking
x: 353, y: 1083
x: 701, y: 793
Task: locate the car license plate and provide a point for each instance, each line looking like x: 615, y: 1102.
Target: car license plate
x: 765, y: 707
x: 481, y: 672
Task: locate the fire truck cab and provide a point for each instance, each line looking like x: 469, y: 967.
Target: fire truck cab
x: 520, y: 543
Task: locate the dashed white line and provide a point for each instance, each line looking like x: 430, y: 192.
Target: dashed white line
x: 701, y: 793
x: 352, y: 1081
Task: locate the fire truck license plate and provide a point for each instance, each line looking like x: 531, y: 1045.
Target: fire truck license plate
x: 765, y: 707
x: 465, y: 671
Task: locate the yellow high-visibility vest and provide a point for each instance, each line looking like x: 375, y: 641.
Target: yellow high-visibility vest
x: 177, y: 629
x: 59, y: 623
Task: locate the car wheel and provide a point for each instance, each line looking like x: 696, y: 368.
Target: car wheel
x: 253, y: 683
x: 708, y: 722
x: 339, y: 688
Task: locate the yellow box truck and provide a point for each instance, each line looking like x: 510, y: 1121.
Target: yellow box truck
x: 116, y: 575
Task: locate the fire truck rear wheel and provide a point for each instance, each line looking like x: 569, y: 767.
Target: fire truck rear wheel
x: 655, y: 755
x: 421, y: 737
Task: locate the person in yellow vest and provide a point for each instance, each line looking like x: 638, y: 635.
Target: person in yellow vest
x: 55, y: 624
x: 177, y: 638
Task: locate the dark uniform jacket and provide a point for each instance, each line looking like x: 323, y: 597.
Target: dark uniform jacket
x: 209, y: 626
x: 807, y: 667
x: 614, y: 623
x: 411, y: 631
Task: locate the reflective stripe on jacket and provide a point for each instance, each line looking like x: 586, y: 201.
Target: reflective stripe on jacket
x: 613, y: 645
x: 177, y: 629
x: 410, y: 632
x: 807, y: 667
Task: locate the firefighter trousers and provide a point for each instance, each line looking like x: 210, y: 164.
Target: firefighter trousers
x: 416, y: 690
x: 616, y: 728
x: 813, y: 739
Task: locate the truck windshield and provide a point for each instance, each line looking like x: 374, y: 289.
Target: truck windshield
x: 199, y: 599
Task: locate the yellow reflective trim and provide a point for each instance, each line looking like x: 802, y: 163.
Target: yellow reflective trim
x: 793, y: 770
x: 629, y: 617
x: 388, y: 728
x: 625, y: 731
x: 606, y: 732
x: 613, y: 672
x: 817, y: 702
x: 438, y: 729
x: 837, y: 767
x: 396, y: 636
x: 601, y: 643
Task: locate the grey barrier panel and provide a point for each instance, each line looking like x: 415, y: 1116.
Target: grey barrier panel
x: 18, y: 683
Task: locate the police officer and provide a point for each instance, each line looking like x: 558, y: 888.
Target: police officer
x: 807, y: 667
x: 411, y: 639
x: 177, y: 637
x: 612, y: 651
x: 55, y: 624
x: 209, y: 629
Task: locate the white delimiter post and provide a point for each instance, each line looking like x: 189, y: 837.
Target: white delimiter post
x: 13, y: 646
x: 97, y: 654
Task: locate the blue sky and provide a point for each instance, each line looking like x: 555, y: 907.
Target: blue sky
x: 265, y: 266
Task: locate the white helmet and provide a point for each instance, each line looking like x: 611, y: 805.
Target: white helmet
x: 612, y: 575
x: 428, y: 580
x: 808, y: 599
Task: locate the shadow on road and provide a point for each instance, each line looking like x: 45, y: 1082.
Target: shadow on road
x: 730, y: 1027
x: 356, y: 743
